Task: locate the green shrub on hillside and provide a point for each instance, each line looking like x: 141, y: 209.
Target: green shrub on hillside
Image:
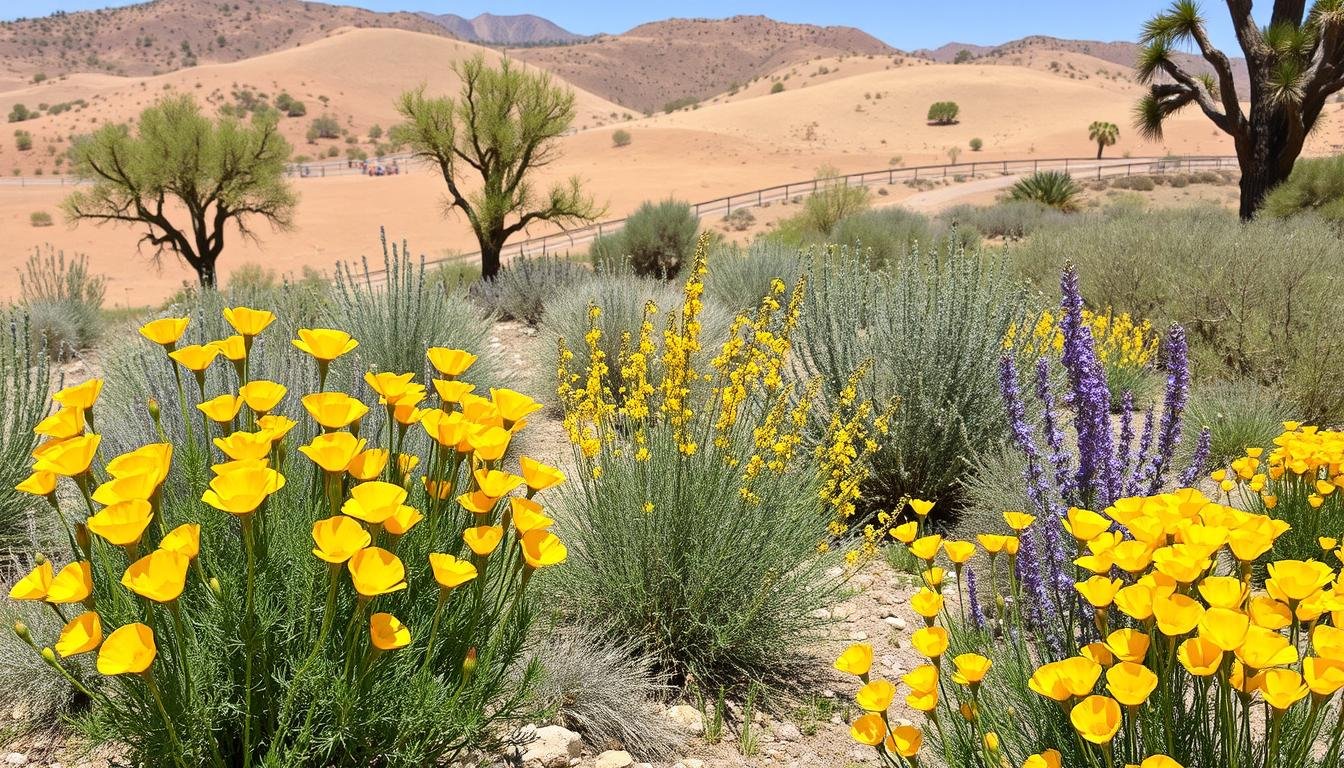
x: 620, y: 138
x: 1316, y: 185
x: 655, y: 241
x: 943, y: 112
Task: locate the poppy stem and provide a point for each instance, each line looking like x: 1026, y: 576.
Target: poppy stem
x: 434, y: 629
x: 167, y: 721
x: 333, y: 582
x: 247, y: 637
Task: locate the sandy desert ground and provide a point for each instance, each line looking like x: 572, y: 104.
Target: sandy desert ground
x: 862, y: 114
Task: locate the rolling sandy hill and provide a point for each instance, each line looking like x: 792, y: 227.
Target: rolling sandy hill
x: 358, y: 71
x: 518, y: 29
x: 165, y: 35
x: 654, y: 64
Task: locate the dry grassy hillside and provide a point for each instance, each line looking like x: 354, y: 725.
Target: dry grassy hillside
x: 166, y: 35
x: 694, y: 59
x: 352, y: 76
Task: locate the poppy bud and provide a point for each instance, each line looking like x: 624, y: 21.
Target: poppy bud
x: 49, y: 656
x: 214, y: 586
x: 21, y: 630
x: 39, y: 558
x: 469, y: 666
x: 153, y: 405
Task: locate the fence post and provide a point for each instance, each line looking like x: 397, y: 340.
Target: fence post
x: 1005, y: 167
x: 1066, y: 165
x: 1035, y: 166
x: 916, y: 173
x: 760, y: 197
x: 972, y: 170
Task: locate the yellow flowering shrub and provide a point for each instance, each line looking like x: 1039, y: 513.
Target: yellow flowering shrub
x: 1152, y: 647
x: 1127, y: 347
x: 334, y: 577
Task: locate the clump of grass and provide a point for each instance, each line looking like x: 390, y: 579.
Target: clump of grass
x: 1239, y: 414
x: 64, y: 296
x: 739, y: 277
x: 523, y: 286
x: 25, y: 382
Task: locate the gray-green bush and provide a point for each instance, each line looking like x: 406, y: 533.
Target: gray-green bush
x: 1316, y: 185
x: 64, y: 297
x: 1238, y: 414
x: 524, y: 285
x: 655, y: 241
x: 1010, y: 219
x: 738, y: 277
x: 25, y: 382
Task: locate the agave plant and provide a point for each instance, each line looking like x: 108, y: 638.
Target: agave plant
x: 1053, y: 188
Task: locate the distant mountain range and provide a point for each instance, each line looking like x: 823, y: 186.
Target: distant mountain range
x: 520, y: 29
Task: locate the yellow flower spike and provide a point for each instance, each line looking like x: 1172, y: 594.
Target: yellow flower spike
x: 127, y: 488
x: 159, y: 576
x: 1097, y: 719
x: 927, y: 603
x: 450, y: 362
x: 875, y: 696
x: 1264, y: 649
x: 528, y: 516
x: 69, y: 458
x: 1224, y: 627
x: 391, y: 387
x: 542, y: 548
x: 868, y: 729
x: 122, y: 524
x: 262, y: 396
x: 375, y: 571
x: 35, y: 585
x: 921, y: 507
x: 80, y: 635
x: 374, y: 501
x: 971, y: 669
x: 195, y: 358
x: 1084, y: 524
x: 222, y: 409
x: 1050, y: 758
x: 275, y: 426
x: 856, y: 660
x: 185, y: 540
x: 129, y: 650
x: 166, y: 331
x: 929, y: 642
x: 1176, y: 614
x: 1018, y: 521
x: 334, y: 451
x: 906, y: 532
x: 539, y: 476
x: 248, y: 322
x: 490, y: 444
x: 1129, y: 644
x: 61, y: 425
x: 1200, y: 657
x: 73, y: 584
x: 483, y: 539
x: 1130, y: 684
x: 1323, y: 676
x: 368, y: 464
x: 1292, y: 581
x: 231, y: 348
x: 80, y: 396
x: 387, y: 633
x: 38, y: 484
x: 245, y: 446
x: 334, y: 410
x: 324, y: 344
x: 1099, y: 591
x: 452, y: 391
x: 338, y: 539
x: 402, y: 520
x: 242, y: 490
x: 494, y: 483
x: 959, y: 552
x: 1061, y: 680
x: 905, y: 740
x: 155, y: 458
x: 1282, y: 688
x: 450, y: 572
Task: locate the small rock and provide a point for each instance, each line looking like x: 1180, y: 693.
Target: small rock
x: 614, y: 759
x: 788, y: 732
x: 16, y: 758
x: 835, y: 572
x: 842, y: 612
x: 552, y: 747
x: 821, y: 614
x: 689, y: 718
x: 896, y: 622
x: 858, y: 636
x: 863, y: 582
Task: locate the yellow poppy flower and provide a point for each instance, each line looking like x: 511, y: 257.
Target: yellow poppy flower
x: 493, y: 482
x: 959, y: 552
x: 261, y: 396
x: 402, y: 520
x: 1282, y: 688
x: 542, y: 548
x: 1098, y: 652
x: 1292, y: 581
x: 73, y: 584
x: 1099, y: 591
x: 275, y: 426
x: 231, y: 348
x: 126, y: 488
x: 324, y: 344
x: 905, y: 740
x: 374, y: 502
x: 155, y: 458
x: 165, y: 331
x: 906, y: 532
x: 1323, y: 676
x: 993, y: 543
x: 1130, y: 683
x: 387, y: 633
x: 391, y: 387
x: 1270, y: 613
x: 248, y: 322
x: 185, y: 540
x: 929, y: 642
x: 80, y: 396
x: 368, y: 464
x: 159, y: 576
x: 61, y: 425
x: 1223, y: 591
x: 129, y: 650
x: 927, y: 603
x: 1200, y: 657
x: 69, y: 458
x: 483, y: 539
x: 1176, y: 614
x: 334, y: 410
x: 923, y: 678
x: 1224, y: 627
x: 933, y: 577
x: 1061, y: 680
x: 1084, y: 524
x: 338, y: 538
x: 856, y: 660
x: 477, y: 503
x: 1129, y: 644
x: 452, y: 391
x: 1096, y: 718
x: 1132, y: 557
x: 1181, y: 562
x: 490, y: 444
x: 450, y: 362
x: 38, y: 484
x: 222, y: 409
x: 123, y: 523
x: 1050, y: 758
x: 375, y: 571
x: 450, y: 572
x: 926, y: 547
x: 1265, y: 649
x: 971, y: 669
x: 35, y: 585
x: 922, y: 700
x: 868, y: 729
x: 437, y: 489
x: 333, y: 451
x: 875, y: 696
x: 1018, y: 521
x: 1328, y: 641
x: 195, y: 358
x: 513, y: 406
x: 527, y: 515
x: 241, y: 491
x: 245, y: 446
x: 80, y: 635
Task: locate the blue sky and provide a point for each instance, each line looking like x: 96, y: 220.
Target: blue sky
x: 906, y: 24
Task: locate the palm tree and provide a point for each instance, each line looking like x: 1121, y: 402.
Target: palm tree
x: 1104, y: 133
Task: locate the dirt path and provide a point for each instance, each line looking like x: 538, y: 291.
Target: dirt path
x: 935, y: 200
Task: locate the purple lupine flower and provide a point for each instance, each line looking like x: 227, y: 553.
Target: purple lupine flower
x: 1173, y: 407
x: 1141, y: 458
x: 1017, y: 410
x: 973, y: 595
x: 1200, y: 459
x: 1096, y: 482
x: 1054, y: 437
x: 1122, y: 452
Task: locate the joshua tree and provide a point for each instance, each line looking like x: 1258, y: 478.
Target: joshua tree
x: 1104, y: 133
x: 186, y: 178
x: 502, y: 126
x: 1295, y: 63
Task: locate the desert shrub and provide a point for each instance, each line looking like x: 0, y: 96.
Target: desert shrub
x: 654, y: 242
x: 1126, y: 348
x: 943, y: 112
x: 715, y: 572
x: 40, y: 219
x: 681, y: 103
x: 375, y: 132
x: 1239, y: 415
x: 25, y: 381
x: 296, y: 109
x: 977, y: 145
x: 53, y: 331
x: 524, y: 285
x: 1246, y: 315
x: 995, y: 486
x: 19, y: 112
x: 65, y: 288
x: 1316, y: 185
x: 398, y: 312
x: 324, y: 127
x: 622, y: 301
x: 251, y: 276
x: 739, y: 277
x: 932, y: 326
x: 1137, y: 183
x: 886, y: 234
x: 620, y: 138
x: 23, y: 141
x: 832, y: 202
x: 1053, y: 188
x: 740, y: 219
x: 777, y: 88
x: 1010, y: 219
x: 41, y: 696
x: 259, y: 648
